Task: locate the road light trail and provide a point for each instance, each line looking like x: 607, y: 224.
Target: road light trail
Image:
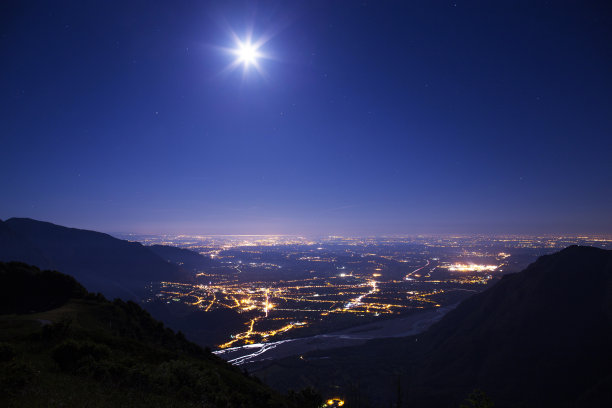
x: 212, y: 302
x: 416, y: 270
x: 358, y: 301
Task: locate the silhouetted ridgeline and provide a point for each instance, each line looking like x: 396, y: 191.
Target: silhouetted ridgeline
x: 96, y: 353
x: 538, y: 338
x: 115, y: 267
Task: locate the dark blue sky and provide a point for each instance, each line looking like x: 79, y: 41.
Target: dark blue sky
x: 367, y: 118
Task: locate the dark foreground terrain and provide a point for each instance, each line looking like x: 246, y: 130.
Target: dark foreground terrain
x: 61, y: 346
x: 538, y: 338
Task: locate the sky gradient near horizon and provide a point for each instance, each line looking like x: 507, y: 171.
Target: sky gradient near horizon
x: 365, y: 117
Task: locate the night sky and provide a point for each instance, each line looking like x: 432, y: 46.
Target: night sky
x: 357, y: 118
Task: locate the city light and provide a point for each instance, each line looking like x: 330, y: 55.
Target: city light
x: 283, y: 287
x: 459, y: 267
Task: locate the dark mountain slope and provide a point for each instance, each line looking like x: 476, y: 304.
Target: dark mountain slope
x: 99, y: 261
x: 537, y: 338
x: 204, y: 328
x: 14, y: 247
x: 96, y: 353
x: 189, y: 260
x: 553, y: 320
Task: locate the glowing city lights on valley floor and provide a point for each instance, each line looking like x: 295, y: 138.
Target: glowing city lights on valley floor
x: 291, y: 305
x: 282, y: 287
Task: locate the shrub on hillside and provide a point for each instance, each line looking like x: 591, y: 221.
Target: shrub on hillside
x: 72, y: 354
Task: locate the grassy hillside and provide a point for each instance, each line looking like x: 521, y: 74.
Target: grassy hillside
x: 83, y: 350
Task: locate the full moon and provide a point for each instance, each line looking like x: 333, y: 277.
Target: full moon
x: 247, y: 54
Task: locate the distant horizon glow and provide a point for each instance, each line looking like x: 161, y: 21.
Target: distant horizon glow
x: 275, y: 239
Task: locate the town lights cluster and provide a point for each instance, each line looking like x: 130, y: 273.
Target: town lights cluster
x: 461, y: 267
